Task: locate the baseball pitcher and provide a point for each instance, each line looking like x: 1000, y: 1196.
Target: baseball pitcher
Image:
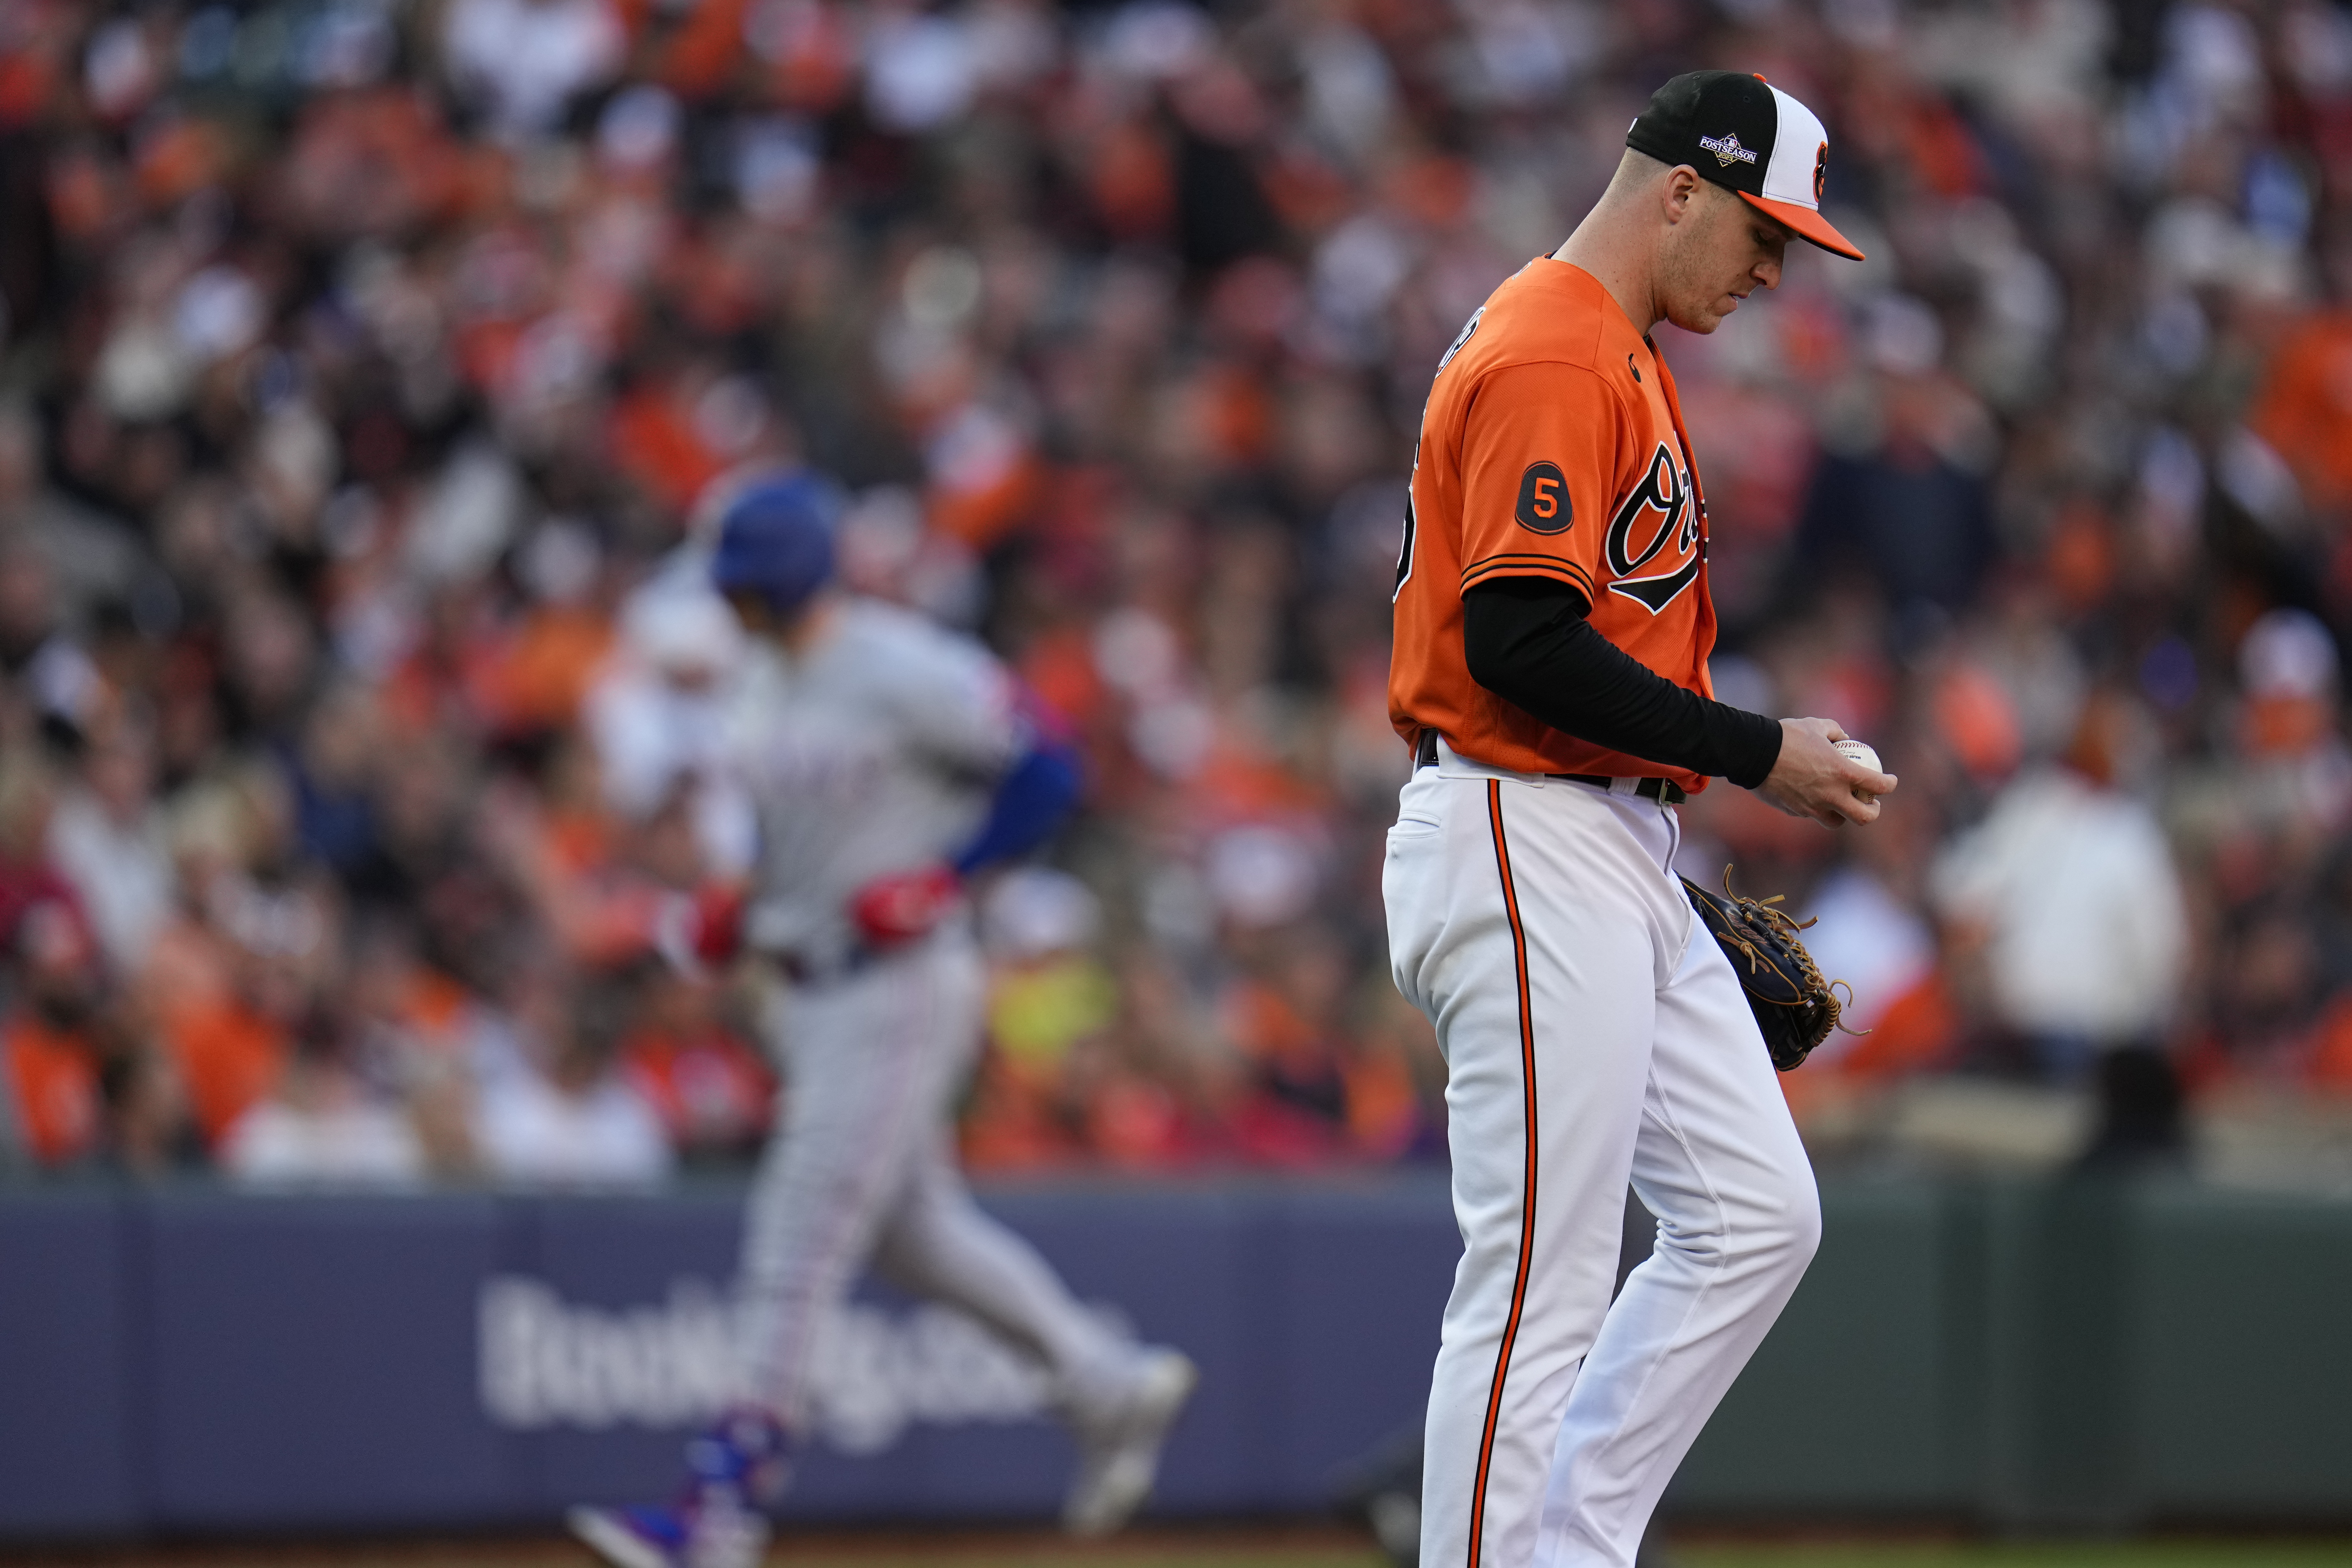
x: 1551, y: 673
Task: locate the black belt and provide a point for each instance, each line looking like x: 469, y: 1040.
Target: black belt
x: 804, y: 970
x: 1665, y: 792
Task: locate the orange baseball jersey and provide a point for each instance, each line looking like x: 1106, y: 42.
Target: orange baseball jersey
x: 1551, y: 446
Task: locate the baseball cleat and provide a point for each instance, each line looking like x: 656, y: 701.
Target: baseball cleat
x: 632, y: 1537
x: 717, y: 1533
x: 741, y: 1457
x: 1119, y: 1448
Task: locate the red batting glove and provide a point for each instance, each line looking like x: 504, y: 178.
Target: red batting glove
x: 900, y: 907
x: 718, y: 923
x: 702, y: 931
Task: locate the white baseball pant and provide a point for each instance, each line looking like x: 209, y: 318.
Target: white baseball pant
x: 863, y: 1165
x: 1593, y: 1033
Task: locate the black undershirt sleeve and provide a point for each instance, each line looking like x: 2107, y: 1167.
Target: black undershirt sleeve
x: 1528, y: 641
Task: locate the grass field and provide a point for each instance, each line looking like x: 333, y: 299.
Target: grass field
x: 1909, y: 1555
x: 1249, y: 1547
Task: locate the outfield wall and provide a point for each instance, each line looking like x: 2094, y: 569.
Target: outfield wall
x: 2022, y: 1356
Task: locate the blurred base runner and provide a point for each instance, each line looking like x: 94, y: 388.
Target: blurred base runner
x: 886, y: 759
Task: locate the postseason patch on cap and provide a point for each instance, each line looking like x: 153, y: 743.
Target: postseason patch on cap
x: 1745, y: 135
x: 1728, y: 150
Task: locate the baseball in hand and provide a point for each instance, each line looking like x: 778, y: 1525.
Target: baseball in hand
x: 1857, y: 750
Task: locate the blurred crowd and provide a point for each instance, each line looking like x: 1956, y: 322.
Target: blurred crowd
x: 371, y: 369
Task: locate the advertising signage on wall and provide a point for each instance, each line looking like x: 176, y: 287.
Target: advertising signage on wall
x: 2032, y: 1355
x: 449, y: 1361
x: 674, y: 1364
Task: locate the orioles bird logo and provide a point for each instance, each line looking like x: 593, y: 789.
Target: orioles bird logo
x: 1662, y: 492
x: 1821, y: 173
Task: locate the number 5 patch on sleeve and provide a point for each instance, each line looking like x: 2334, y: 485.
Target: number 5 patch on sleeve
x: 1543, y: 499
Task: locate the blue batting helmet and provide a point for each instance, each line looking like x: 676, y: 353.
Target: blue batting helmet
x: 775, y: 539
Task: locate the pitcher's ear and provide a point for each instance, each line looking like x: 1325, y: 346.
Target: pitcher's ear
x: 1681, y: 190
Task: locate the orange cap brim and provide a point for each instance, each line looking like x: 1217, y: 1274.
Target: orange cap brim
x: 1806, y: 224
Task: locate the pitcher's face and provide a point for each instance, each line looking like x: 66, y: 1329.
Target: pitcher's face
x: 1722, y: 251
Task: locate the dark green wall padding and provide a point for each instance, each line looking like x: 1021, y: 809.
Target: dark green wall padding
x: 2049, y: 1356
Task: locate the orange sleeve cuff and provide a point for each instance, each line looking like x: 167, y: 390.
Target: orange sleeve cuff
x: 1518, y: 564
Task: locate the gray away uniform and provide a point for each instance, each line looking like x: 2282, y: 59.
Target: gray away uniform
x: 877, y: 753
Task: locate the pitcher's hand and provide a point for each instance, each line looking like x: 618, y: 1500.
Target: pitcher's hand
x: 1813, y: 779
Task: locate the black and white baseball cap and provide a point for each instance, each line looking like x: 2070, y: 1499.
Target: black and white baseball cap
x: 1745, y: 135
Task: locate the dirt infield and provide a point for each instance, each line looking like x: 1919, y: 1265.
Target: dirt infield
x: 1250, y: 1546
x: 1225, y: 1546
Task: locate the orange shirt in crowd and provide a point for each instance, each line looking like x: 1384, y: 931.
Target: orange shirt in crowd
x: 539, y: 679
x: 1915, y: 1034
x: 229, y: 1056
x: 2331, y: 1048
x: 653, y: 439
x: 53, y: 1080
x: 709, y: 1088
x: 2305, y: 408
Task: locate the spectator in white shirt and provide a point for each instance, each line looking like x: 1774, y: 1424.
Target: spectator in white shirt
x: 523, y: 61
x: 322, y: 1127
x: 2069, y: 889
x: 657, y: 717
x: 575, y: 1121
x: 109, y: 840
